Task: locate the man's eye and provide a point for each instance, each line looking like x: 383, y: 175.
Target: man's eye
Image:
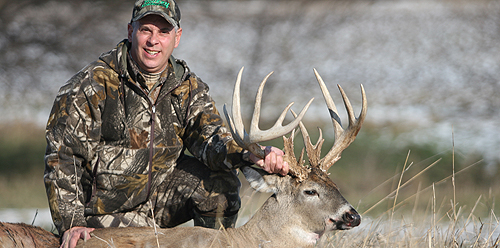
x: 165, y: 31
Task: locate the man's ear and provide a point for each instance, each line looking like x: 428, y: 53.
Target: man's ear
x: 178, y: 37
x: 261, y: 180
x: 130, y: 30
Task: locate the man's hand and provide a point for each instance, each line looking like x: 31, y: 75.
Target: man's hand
x: 273, y: 161
x: 72, y: 236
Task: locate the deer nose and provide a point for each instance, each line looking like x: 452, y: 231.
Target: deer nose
x: 351, y: 218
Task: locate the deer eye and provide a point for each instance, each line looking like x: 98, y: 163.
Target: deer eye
x: 310, y: 192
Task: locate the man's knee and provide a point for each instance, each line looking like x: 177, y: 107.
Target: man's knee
x: 215, y: 222
x: 216, y: 212
x: 212, y: 194
x: 213, y: 191
x: 222, y: 197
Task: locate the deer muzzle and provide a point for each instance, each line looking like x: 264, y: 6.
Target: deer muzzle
x: 349, y: 220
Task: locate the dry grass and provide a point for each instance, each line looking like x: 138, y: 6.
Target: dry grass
x: 442, y: 223
x: 436, y: 227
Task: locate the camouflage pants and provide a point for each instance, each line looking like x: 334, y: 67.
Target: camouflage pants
x: 190, y: 191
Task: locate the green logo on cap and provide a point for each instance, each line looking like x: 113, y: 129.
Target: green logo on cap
x: 155, y: 2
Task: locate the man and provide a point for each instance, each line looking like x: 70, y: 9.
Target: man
x: 118, y: 131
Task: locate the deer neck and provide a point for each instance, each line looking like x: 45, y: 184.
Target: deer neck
x: 274, y: 226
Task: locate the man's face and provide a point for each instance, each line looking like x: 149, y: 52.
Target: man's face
x: 153, y: 41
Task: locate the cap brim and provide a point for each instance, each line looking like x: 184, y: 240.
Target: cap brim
x: 162, y: 14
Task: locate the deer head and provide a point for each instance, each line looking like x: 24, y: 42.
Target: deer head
x: 308, y: 200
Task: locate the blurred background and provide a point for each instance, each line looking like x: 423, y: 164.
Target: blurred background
x: 431, y: 70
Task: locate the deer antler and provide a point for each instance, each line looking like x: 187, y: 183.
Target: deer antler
x: 249, y: 140
x: 343, y: 138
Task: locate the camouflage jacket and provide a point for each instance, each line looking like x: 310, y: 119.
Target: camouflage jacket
x: 110, y: 139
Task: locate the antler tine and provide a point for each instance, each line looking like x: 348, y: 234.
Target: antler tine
x: 296, y: 167
x: 249, y: 141
x: 236, y: 127
x: 313, y: 151
x: 343, y: 138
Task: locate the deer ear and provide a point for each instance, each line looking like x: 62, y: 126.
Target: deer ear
x: 260, y: 180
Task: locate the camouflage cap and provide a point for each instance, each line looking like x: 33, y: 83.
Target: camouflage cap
x: 168, y: 9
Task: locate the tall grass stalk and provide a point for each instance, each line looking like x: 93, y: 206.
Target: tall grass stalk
x: 401, y: 186
x: 438, y: 225
x: 397, y: 189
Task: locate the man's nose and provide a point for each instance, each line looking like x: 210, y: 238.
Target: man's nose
x: 153, y: 38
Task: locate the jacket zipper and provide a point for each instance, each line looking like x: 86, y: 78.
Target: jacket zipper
x: 152, y: 135
x: 152, y: 129
x: 151, y: 146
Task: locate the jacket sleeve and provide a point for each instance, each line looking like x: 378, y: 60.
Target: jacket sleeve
x: 206, y: 135
x: 72, y: 134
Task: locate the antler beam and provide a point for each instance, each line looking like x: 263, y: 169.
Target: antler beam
x: 249, y: 140
x: 343, y: 137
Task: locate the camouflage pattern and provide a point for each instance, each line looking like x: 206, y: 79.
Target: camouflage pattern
x: 190, y: 191
x: 166, y: 8
x: 100, y: 142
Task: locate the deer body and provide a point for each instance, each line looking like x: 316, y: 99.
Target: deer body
x: 24, y: 235
x: 284, y: 220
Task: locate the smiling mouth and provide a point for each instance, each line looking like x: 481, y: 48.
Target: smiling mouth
x: 152, y: 52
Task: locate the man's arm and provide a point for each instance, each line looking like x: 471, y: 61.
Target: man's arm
x: 208, y: 139
x: 202, y: 128
x: 70, y: 147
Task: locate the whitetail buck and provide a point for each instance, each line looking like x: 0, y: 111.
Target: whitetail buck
x: 305, y: 204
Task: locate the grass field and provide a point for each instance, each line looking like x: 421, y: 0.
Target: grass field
x: 442, y: 214
x: 21, y: 166
x: 415, y: 196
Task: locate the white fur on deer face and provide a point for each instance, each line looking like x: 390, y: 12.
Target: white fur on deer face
x: 314, y: 206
